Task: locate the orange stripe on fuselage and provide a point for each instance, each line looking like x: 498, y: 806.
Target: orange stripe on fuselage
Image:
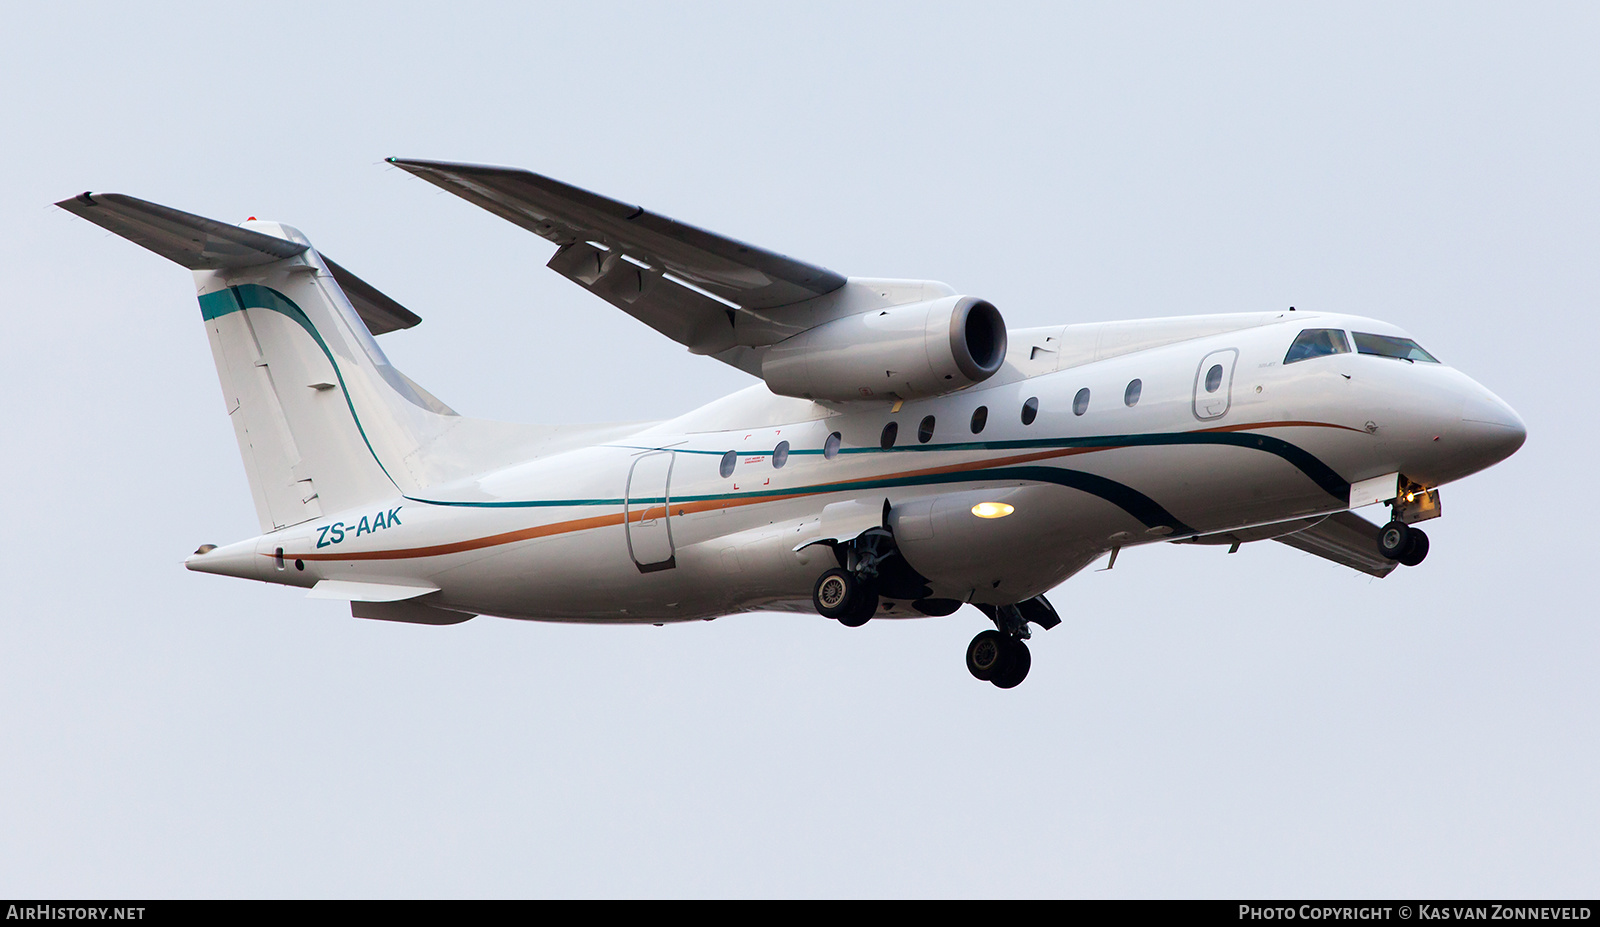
x: 707, y: 505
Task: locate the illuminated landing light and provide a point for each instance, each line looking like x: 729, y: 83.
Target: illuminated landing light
x: 992, y: 510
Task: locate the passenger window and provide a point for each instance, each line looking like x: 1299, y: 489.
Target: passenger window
x: 830, y: 448
x: 728, y: 460
x: 1390, y: 346
x: 925, y: 431
x: 1213, y: 378
x: 890, y: 432
x: 780, y: 455
x: 980, y: 418
x: 1317, y: 342
x: 1080, y: 402
x: 1030, y: 410
x: 1130, y: 396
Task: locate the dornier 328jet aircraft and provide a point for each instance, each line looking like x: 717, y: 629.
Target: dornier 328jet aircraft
x: 904, y: 453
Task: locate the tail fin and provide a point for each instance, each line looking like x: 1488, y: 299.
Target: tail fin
x: 324, y: 422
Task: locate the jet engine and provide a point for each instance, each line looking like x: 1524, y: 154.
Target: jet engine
x: 905, y: 352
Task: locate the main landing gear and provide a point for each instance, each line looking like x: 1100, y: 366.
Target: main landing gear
x: 844, y: 597
x: 1001, y: 656
x: 869, y: 567
x: 996, y: 658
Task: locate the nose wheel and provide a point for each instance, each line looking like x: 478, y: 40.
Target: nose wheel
x: 1399, y: 541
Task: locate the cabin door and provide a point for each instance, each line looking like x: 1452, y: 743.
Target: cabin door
x: 1213, y: 384
x: 647, y: 508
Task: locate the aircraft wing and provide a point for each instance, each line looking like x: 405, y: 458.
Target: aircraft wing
x: 199, y: 243
x: 685, y: 282
x: 1347, y: 539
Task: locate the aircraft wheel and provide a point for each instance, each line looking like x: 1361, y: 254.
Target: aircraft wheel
x: 863, y: 605
x: 1017, y: 666
x: 1417, y: 550
x: 988, y: 655
x: 833, y: 592
x: 1395, y: 539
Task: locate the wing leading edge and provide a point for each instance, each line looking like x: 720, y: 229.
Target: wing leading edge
x: 685, y: 282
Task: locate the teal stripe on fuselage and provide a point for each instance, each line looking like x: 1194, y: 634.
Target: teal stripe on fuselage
x: 1130, y: 500
x: 1318, y: 472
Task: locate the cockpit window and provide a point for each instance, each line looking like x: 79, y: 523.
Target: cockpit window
x: 1390, y: 346
x: 1317, y: 342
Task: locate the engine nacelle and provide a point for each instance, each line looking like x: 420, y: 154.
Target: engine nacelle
x: 905, y: 352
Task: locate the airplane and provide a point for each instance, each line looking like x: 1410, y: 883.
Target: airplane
x: 902, y: 453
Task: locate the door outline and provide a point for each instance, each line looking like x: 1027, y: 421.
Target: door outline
x: 649, y: 527
x: 1205, y: 403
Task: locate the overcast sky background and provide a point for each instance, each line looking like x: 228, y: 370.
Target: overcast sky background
x: 1263, y: 724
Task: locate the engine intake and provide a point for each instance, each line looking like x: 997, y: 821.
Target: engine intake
x: 906, y: 352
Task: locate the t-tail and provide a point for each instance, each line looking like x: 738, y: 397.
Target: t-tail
x: 324, y: 422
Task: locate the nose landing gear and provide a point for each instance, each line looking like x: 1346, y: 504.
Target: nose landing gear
x: 1399, y: 541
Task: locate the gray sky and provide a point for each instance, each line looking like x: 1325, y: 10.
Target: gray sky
x: 1265, y: 724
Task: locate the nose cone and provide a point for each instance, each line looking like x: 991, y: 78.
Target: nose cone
x: 1490, y: 431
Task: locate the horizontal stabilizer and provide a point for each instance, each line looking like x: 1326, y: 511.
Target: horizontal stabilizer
x: 199, y: 243
x: 1348, y: 540
x: 381, y: 313
x: 194, y: 241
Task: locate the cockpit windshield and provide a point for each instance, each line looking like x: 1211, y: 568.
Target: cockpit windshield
x: 1390, y: 346
x: 1317, y: 342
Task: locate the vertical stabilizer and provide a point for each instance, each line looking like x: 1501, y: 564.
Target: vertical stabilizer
x: 324, y: 422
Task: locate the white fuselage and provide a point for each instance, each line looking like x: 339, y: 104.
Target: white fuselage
x: 648, y: 527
